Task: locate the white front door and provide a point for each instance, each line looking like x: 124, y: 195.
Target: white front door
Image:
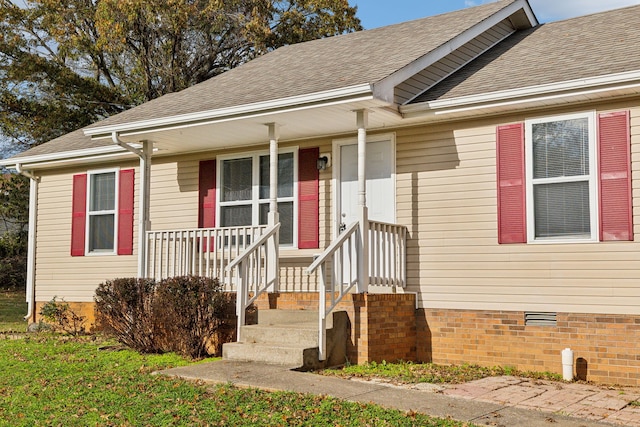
x: 380, y: 170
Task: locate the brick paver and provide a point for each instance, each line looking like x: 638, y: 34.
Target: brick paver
x: 577, y: 400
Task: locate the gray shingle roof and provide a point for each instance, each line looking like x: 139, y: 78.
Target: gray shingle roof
x: 588, y: 46
x: 363, y: 57
x: 72, y: 141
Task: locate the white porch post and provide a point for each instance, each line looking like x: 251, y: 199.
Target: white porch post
x: 273, y: 264
x: 143, y: 217
x: 363, y: 267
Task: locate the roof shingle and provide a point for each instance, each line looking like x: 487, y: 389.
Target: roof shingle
x: 587, y: 46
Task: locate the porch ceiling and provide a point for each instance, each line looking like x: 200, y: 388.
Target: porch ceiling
x: 243, y: 131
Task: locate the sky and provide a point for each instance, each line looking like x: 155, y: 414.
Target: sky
x: 377, y: 13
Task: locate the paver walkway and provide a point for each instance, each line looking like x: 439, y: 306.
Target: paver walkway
x: 576, y: 400
x: 498, y: 401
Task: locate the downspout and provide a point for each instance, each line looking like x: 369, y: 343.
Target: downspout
x: 143, y: 217
x: 31, y: 245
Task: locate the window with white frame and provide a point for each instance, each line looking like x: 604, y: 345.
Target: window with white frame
x: 244, y: 192
x: 101, y: 211
x: 561, y: 177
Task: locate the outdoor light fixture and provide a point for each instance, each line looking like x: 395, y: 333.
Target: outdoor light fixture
x: 322, y: 163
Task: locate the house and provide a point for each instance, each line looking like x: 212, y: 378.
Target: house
x: 462, y: 186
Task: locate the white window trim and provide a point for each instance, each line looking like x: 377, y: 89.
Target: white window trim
x: 88, y: 252
x: 255, y: 191
x: 592, y: 178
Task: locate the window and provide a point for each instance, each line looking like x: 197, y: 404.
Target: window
x: 561, y: 172
x: 101, y: 212
x: 244, y: 192
x: 550, y: 187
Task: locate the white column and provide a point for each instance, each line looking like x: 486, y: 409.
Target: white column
x: 273, y: 174
x: 363, y: 267
x: 273, y: 245
x: 143, y: 210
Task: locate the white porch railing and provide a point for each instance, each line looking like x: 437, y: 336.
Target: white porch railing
x: 387, y: 267
x: 200, y: 252
x: 343, y: 254
x: 255, y: 271
x: 387, y: 254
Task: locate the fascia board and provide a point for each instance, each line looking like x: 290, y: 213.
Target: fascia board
x: 384, y: 89
x: 528, y: 94
x: 62, y: 157
x: 247, y: 109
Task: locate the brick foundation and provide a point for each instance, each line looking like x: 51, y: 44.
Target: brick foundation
x: 605, y: 346
x: 86, y: 309
x: 387, y: 327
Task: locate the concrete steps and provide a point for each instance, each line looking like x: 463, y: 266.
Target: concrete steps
x: 290, y: 338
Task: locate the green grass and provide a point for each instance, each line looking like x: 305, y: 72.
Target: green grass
x: 13, y: 308
x: 412, y: 373
x: 51, y: 380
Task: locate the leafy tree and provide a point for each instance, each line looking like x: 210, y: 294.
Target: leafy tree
x: 67, y: 63
x: 14, y: 203
x: 14, y: 217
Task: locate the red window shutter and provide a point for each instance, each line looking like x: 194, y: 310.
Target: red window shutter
x: 78, y: 214
x: 207, y: 194
x: 125, y: 211
x: 614, y: 143
x: 308, y: 199
x: 207, y: 199
x: 512, y: 217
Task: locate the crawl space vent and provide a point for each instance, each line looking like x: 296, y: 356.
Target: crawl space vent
x: 536, y: 318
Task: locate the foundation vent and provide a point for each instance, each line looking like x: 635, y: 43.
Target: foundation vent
x: 537, y: 318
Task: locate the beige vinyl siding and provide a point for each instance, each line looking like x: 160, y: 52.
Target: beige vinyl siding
x: 446, y: 187
x: 446, y: 196
x: 173, y: 197
x: 455, y: 60
x: 58, y: 274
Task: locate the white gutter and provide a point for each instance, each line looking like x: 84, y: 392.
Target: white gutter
x: 66, y: 155
x: 143, y: 211
x: 546, y: 92
x: 31, y: 245
x: 273, y: 105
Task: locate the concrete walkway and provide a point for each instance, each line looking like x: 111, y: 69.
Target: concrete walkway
x: 497, y: 401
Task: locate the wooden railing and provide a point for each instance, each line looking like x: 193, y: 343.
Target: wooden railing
x: 255, y: 271
x: 201, y: 252
x: 387, y: 254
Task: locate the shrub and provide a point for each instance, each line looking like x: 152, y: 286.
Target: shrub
x: 191, y: 315
x: 61, y: 317
x: 125, y: 308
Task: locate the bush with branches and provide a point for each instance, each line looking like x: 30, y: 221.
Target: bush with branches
x: 60, y: 316
x: 124, y: 308
x: 189, y: 315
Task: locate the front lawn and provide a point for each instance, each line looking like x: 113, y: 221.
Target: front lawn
x: 413, y: 373
x: 49, y: 380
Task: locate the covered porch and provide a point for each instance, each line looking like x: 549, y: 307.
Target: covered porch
x: 360, y: 256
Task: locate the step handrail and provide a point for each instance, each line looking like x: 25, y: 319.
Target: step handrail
x: 333, y: 247
x: 329, y: 254
x: 262, y: 276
